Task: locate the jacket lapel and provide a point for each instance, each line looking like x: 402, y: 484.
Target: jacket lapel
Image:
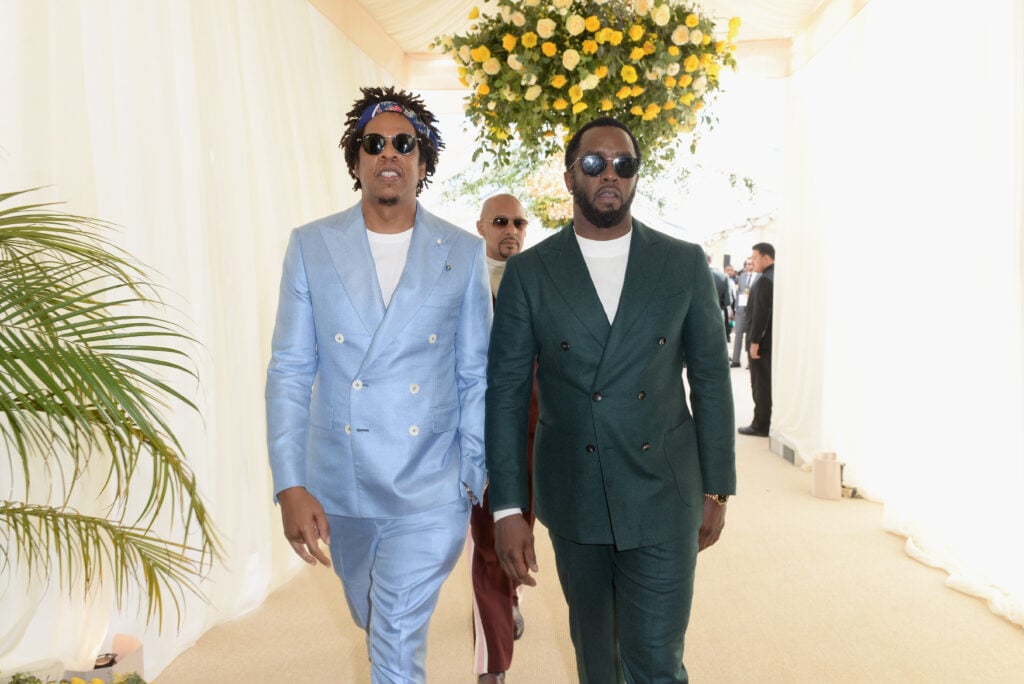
x: 426, y: 261
x: 566, y: 267
x: 350, y: 252
x: 643, y: 272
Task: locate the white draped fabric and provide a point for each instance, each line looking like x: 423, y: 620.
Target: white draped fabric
x: 206, y: 130
x: 898, y: 288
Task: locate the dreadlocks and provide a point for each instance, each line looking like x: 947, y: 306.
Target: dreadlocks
x: 429, y: 144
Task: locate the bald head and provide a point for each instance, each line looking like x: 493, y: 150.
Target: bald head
x: 502, y: 225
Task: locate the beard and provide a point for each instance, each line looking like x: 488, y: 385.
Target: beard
x: 607, y: 218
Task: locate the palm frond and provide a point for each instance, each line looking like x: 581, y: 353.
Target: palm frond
x: 85, y: 380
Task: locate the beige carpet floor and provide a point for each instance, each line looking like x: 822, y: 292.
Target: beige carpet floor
x: 798, y: 590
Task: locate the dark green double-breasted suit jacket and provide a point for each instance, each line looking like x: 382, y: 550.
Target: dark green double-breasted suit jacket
x: 620, y: 456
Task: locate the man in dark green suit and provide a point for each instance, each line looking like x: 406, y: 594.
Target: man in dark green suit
x: 629, y: 482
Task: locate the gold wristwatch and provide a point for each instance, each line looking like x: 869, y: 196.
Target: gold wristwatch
x: 720, y: 499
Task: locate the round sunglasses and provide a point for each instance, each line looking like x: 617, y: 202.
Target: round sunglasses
x: 373, y: 143
x: 594, y: 165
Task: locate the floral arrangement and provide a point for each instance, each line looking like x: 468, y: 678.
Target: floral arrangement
x: 537, y: 69
x: 127, y: 678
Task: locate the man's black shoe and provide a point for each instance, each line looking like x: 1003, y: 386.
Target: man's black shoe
x: 734, y: 364
x: 751, y: 431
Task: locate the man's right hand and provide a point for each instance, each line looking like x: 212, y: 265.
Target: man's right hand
x: 513, y: 543
x: 305, y: 524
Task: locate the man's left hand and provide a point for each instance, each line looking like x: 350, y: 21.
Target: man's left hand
x: 711, y: 527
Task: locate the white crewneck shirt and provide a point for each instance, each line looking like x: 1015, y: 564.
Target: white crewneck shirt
x: 606, y: 260
x: 389, y: 251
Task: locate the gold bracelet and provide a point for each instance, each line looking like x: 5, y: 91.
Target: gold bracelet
x: 720, y: 499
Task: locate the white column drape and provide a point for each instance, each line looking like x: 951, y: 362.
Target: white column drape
x: 206, y: 130
x: 898, y: 293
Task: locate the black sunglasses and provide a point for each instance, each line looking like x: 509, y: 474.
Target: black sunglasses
x: 503, y: 221
x: 373, y: 143
x: 594, y: 165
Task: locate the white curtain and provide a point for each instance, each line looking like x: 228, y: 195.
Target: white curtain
x: 898, y: 297
x: 206, y: 129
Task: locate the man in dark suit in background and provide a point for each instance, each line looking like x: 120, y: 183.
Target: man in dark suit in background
x: 744, y: 281
x: 724, y: 290
x: 628, y: 483
x: 759, y: 339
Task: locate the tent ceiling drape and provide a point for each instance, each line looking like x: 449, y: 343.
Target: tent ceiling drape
x: 398, y: 33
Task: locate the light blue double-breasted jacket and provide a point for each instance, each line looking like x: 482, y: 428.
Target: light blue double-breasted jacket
x: 379, y: 412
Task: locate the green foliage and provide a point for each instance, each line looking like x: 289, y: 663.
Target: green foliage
x: 83, y: 390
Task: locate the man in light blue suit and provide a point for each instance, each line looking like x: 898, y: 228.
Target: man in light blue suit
x: 375, y: 389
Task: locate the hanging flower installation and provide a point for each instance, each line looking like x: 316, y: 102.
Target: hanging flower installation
x: 537, y: 69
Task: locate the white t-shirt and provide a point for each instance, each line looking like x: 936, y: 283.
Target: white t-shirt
x: 390, y: 251
x: 606, y: 260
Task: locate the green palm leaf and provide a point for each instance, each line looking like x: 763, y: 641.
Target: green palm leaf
x: 86, y: 376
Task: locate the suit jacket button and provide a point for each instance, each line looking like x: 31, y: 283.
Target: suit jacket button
x: 597, y: 396
x: 661, y: 341
x: 565, y: 345
x: 641, y: 395
x: 591, y: 448
x: 645, y: 446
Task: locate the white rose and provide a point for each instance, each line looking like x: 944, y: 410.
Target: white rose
x: 532, y: 93
x: 641, y: 7
x: 590, y: 82
x: 529, y: 79
x: 492, y: 66
x: 681, y: 35
x: 518, y: 19
x: 492, y: 105
x: 575, y: 24
x: 506, y: 13
x: 546, y: 28
x: 570, y: 58
x: 661, y: 15
x: 696, y: 37
x: 479, y: 76
x: 514, y: 63
x: 509, y: 94
x: 673, y: 68
x: 464, y: 54
x: 562, y: 4
x: 700, y: 85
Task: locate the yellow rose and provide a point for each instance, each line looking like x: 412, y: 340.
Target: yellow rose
x: 483, y: 89
x: 705, y: 59
x: 707, y: 39
x: 616, y: 37
x: 579, y: 107
x: 462, y: 77
x: 570, y: 58
x: 549, y: 49
x: 674, y: 50
x: 685, y: 80
x: 606, y: 104
x: 636, y: 91
x: 575, y: 93
x: 592, y: 24
x: 719, y: 47
x: 603, y: 36
x: 691, y: 63
x: 601, y: 71
x: 508, y: 41
x: 559, y: 80
x: 96, y: 680
x: 628, y: 74
x: 672, y: 120
x: 636, y: 110
x: 474, y: 13
x: 734, y: 24
x: 529, y: 39
x: 636, y: 32
x: 480, y: 53
x: 636, y: 54
x: 670, y: 82
x: 691, y: 20
x: 623, y: 92
x: 575, y: 24
x: 652, y: 111
x: 669, y: 104
x: 77, y: 680
x: 687, y: 99
x: 560, y: 103
x: 713, y: 69
x: 698, y: 105
x: 590, y: 47
x: 546, y: 28
x: 648, y: 48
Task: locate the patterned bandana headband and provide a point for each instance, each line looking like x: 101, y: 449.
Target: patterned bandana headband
x: 388, y: 106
